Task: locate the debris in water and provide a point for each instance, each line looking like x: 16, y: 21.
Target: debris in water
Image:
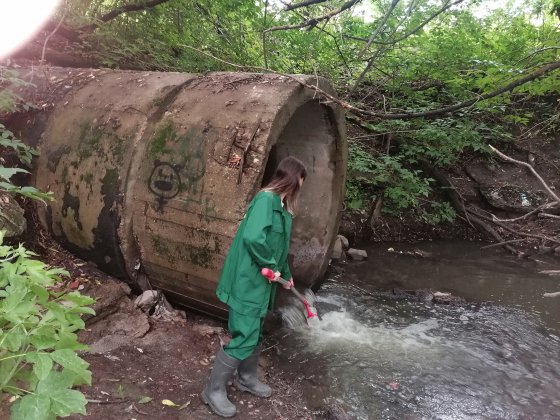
x: 394, y: 385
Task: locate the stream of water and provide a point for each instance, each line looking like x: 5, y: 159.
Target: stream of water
x: 382, y: 357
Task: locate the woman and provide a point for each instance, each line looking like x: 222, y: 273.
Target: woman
x: 261, y: 241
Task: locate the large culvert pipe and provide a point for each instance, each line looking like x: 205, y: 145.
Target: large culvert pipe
x: 152, y: 172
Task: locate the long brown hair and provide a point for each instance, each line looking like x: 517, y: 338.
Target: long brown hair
x: 286, y: 181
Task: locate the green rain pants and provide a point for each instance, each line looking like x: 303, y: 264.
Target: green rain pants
x: 246, y: 334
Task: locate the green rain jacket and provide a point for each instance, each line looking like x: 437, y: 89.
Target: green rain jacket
x: 262, y: 240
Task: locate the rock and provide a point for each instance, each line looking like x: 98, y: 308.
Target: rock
x: 108, y: 344
x: 357, y: 254
x: 12, y: 218
x: 344, y: 240
x: 424, y: 295
x: 336, y: 269
x: 337, y: 251
x: 554, y: 273
x: 557, y: 251
x: 146, y: 300
x: 447, y: 298
x: 208, y: 330
x: 126, y: 288
x: 116, y: 329
x: 513, y: 197
x: 108, y: 296
x: 335, y: 412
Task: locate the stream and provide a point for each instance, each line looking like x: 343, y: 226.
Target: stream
x: 377, y: 356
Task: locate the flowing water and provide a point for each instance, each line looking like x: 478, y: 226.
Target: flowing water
x: 382, y: 357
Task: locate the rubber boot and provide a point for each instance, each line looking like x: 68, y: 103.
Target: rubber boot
x: 215, y: 393
x: 247, y: 379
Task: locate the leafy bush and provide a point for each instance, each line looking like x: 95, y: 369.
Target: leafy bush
x: 38, y: 344
x: 370, y: 175
x: 403, y: 189
x: 24, y: 154
x: 9, y: 144
x: 38, y: 360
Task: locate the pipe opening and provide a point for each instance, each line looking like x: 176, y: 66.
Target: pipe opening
x: 311, y: 135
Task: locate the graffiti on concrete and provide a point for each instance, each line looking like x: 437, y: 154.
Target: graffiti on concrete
x: 164, y: 182
x: 209, y: 209
x: 179, y: 168
x: 193, y: 152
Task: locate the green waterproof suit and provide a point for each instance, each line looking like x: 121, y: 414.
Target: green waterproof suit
x: 262, y: 240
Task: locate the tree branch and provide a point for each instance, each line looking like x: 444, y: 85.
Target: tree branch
x: 544, y: 206
x: 263, y: 35
x: 379, y: 27
x: 511, y: 230
x: 220, y: 30
x: 322, y: 29
x: 509, y: 159
x: 419, y: 27
x: 372, y: 59
x: 135, y: 7
x: 452, y: 108
x: 313, y: 21
x: 477, y: 220
x: 539, y: 51
x: 73, y: 34
x: 50, y: 35
x: 543, y: 70
x: 295, y: 6
x: 552, y: 216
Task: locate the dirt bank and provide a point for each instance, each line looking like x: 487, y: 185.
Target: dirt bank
x: 138, y: 361
x: 171, y: 362
x: 508, y: 196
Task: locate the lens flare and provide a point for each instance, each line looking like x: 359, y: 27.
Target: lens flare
x: 20, y: 20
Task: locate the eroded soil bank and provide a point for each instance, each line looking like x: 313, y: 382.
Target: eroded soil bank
x: 138, y: 361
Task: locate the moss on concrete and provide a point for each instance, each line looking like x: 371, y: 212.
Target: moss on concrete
x: 158, y: 145
x: 111, y: 179
x: 160, y: 246
x: 88, y: 179
x: 89, y: 141
x: 117, y: 148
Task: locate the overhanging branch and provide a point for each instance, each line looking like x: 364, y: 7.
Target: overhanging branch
x: 379, y: 27
x: 295, y: 6
x: 134, y: 7
x: 417, y: 28
x: 73, y: 34
x: 452, y: 108
x: 396, y: 116
x: 314, y: 21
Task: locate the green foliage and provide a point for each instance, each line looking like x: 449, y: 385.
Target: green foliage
x: 155, y: 38
x: 9, y: 100
x: 441, y: 141
x: 372, y: 175
x: 10, y: 145
x: 7, y: 139
x: 38, y: 342
x: 421, y: 58
x: 24, y: 154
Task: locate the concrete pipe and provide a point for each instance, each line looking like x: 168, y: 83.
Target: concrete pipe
x: 152, y: 172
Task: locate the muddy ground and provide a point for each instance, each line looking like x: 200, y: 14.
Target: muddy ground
x: 172, y: 362
x: 137, y: 361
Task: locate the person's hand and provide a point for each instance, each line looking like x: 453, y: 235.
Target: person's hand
x: 270, y: 275
x: 289, y: 285
x: 277, y: 275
